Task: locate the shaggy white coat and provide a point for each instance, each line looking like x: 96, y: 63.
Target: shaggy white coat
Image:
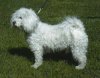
x: 69, y: 33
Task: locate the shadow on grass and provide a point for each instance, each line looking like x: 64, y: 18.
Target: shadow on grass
x: 25, y: 52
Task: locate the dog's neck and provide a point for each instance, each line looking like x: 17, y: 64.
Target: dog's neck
x: 37, y: 28
x: 32, y: 30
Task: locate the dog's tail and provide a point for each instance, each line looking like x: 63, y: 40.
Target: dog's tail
x: 75, y: 23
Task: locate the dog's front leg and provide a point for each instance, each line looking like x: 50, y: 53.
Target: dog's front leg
x: 38, y: 58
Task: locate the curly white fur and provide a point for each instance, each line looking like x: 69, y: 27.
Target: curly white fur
x: 69, y: 33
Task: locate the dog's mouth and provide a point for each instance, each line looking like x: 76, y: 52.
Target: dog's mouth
x: 13, y: 24
x: 21, y: 27
x: 16, y: 27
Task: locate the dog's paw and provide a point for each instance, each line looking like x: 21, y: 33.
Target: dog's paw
x: 79, y: 67
x: 35, y: 66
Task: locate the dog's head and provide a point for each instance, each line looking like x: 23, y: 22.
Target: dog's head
x: 25, y: 18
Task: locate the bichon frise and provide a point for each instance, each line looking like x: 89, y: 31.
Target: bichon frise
x: 69, y: 33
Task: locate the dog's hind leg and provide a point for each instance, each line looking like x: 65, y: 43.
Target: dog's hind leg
x: 79, y: 56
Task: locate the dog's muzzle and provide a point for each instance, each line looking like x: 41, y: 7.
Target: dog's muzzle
x: 14, y: 22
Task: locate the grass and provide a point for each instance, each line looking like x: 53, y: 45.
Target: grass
x: 16, y: 58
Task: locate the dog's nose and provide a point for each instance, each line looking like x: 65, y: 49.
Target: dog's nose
x: 14, y: 22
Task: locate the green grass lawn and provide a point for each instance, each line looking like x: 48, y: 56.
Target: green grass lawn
x: 16, y: 58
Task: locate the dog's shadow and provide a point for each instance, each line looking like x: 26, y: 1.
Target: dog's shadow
x: 55, y: 56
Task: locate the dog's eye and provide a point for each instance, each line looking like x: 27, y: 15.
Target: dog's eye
x: 20, y: 17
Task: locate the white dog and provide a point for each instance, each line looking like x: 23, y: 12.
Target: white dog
x: 69, y: 33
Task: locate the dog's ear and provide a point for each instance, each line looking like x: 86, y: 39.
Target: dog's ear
x: 28, y: 12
